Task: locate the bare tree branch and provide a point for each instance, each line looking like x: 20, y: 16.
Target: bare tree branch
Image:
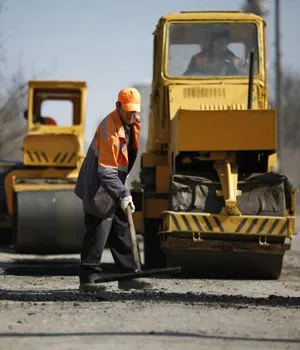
x: 13, y: 95
x: 12, y: 102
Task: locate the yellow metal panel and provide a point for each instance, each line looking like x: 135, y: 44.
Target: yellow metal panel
x: 162, y: 178
x: 272, y: 162
x: 61, y: 84
x: 154, y: 207
x: 198, y: 92
x: 224, y: 130
x: 152, y: 160
x: 213, y: 16
x: 11, y: 177
x: 37, y: 129
x: 51, y: 150
x: 43, y: 187
x: 223, y: 224
x: 213, y: 96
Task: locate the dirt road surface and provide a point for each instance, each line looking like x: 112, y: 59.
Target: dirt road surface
x: 40, y: 308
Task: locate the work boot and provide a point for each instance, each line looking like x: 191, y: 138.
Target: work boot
x: 87, y: 278
x: 134, y: 284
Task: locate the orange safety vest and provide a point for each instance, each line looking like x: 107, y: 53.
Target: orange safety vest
x: 101, y: 180
x: 109, y: 143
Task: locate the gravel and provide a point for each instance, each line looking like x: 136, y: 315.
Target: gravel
x: 41, y: 308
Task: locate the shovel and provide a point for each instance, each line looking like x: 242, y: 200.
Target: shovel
x: 139, y: 273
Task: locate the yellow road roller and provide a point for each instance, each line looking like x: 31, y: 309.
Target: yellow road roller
x: 212, y: 199
x: 38, y: 200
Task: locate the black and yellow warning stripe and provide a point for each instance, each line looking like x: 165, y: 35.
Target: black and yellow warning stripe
x: 207, y: 223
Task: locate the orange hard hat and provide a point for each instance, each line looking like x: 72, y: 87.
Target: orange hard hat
x: 130, y: 99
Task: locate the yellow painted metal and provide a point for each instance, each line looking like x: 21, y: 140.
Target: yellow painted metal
x: 154, y: 207
x: 40, y: 90
x: 151, y: 160
x: 228, y: 175
x: 200, y: 93
x: 213, y: 96
x: 57, y: 87
x: 57, y: 84
x: 162, y: 178
x: 225, y: 224
x: 272, y: 162
x: 43, y: 187
x: 294, y: 200
x: 47, y: 173
x: 59, y: 150
x: 224, y: 130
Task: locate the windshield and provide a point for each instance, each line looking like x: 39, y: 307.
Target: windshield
x: 211, y: 49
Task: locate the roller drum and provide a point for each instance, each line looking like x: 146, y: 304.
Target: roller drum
x: 48, y: 222
x: 207, y: 264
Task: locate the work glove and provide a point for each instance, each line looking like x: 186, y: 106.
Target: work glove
x: 127, y: 201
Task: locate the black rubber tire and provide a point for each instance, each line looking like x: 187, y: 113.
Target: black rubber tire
x: 153, y: 255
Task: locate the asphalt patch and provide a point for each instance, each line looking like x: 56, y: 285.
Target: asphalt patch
x: 224, y: 300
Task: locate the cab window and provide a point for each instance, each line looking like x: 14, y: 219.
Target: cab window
x: 211, y: 49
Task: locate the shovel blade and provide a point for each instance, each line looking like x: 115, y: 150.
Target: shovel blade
x: 131, y: 275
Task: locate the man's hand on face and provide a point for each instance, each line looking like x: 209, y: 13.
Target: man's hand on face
x: 130, y: 117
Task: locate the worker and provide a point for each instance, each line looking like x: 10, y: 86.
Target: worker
x: 37, y: 119
x: 101, y: 187
x: 216, y: 60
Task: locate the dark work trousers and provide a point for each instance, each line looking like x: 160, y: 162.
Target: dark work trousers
x: 115, y: 232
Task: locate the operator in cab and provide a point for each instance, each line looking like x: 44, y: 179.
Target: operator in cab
x: 37, y: 119
x: 216, y: 59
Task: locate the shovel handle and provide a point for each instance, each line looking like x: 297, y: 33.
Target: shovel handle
x: 133, y: 238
